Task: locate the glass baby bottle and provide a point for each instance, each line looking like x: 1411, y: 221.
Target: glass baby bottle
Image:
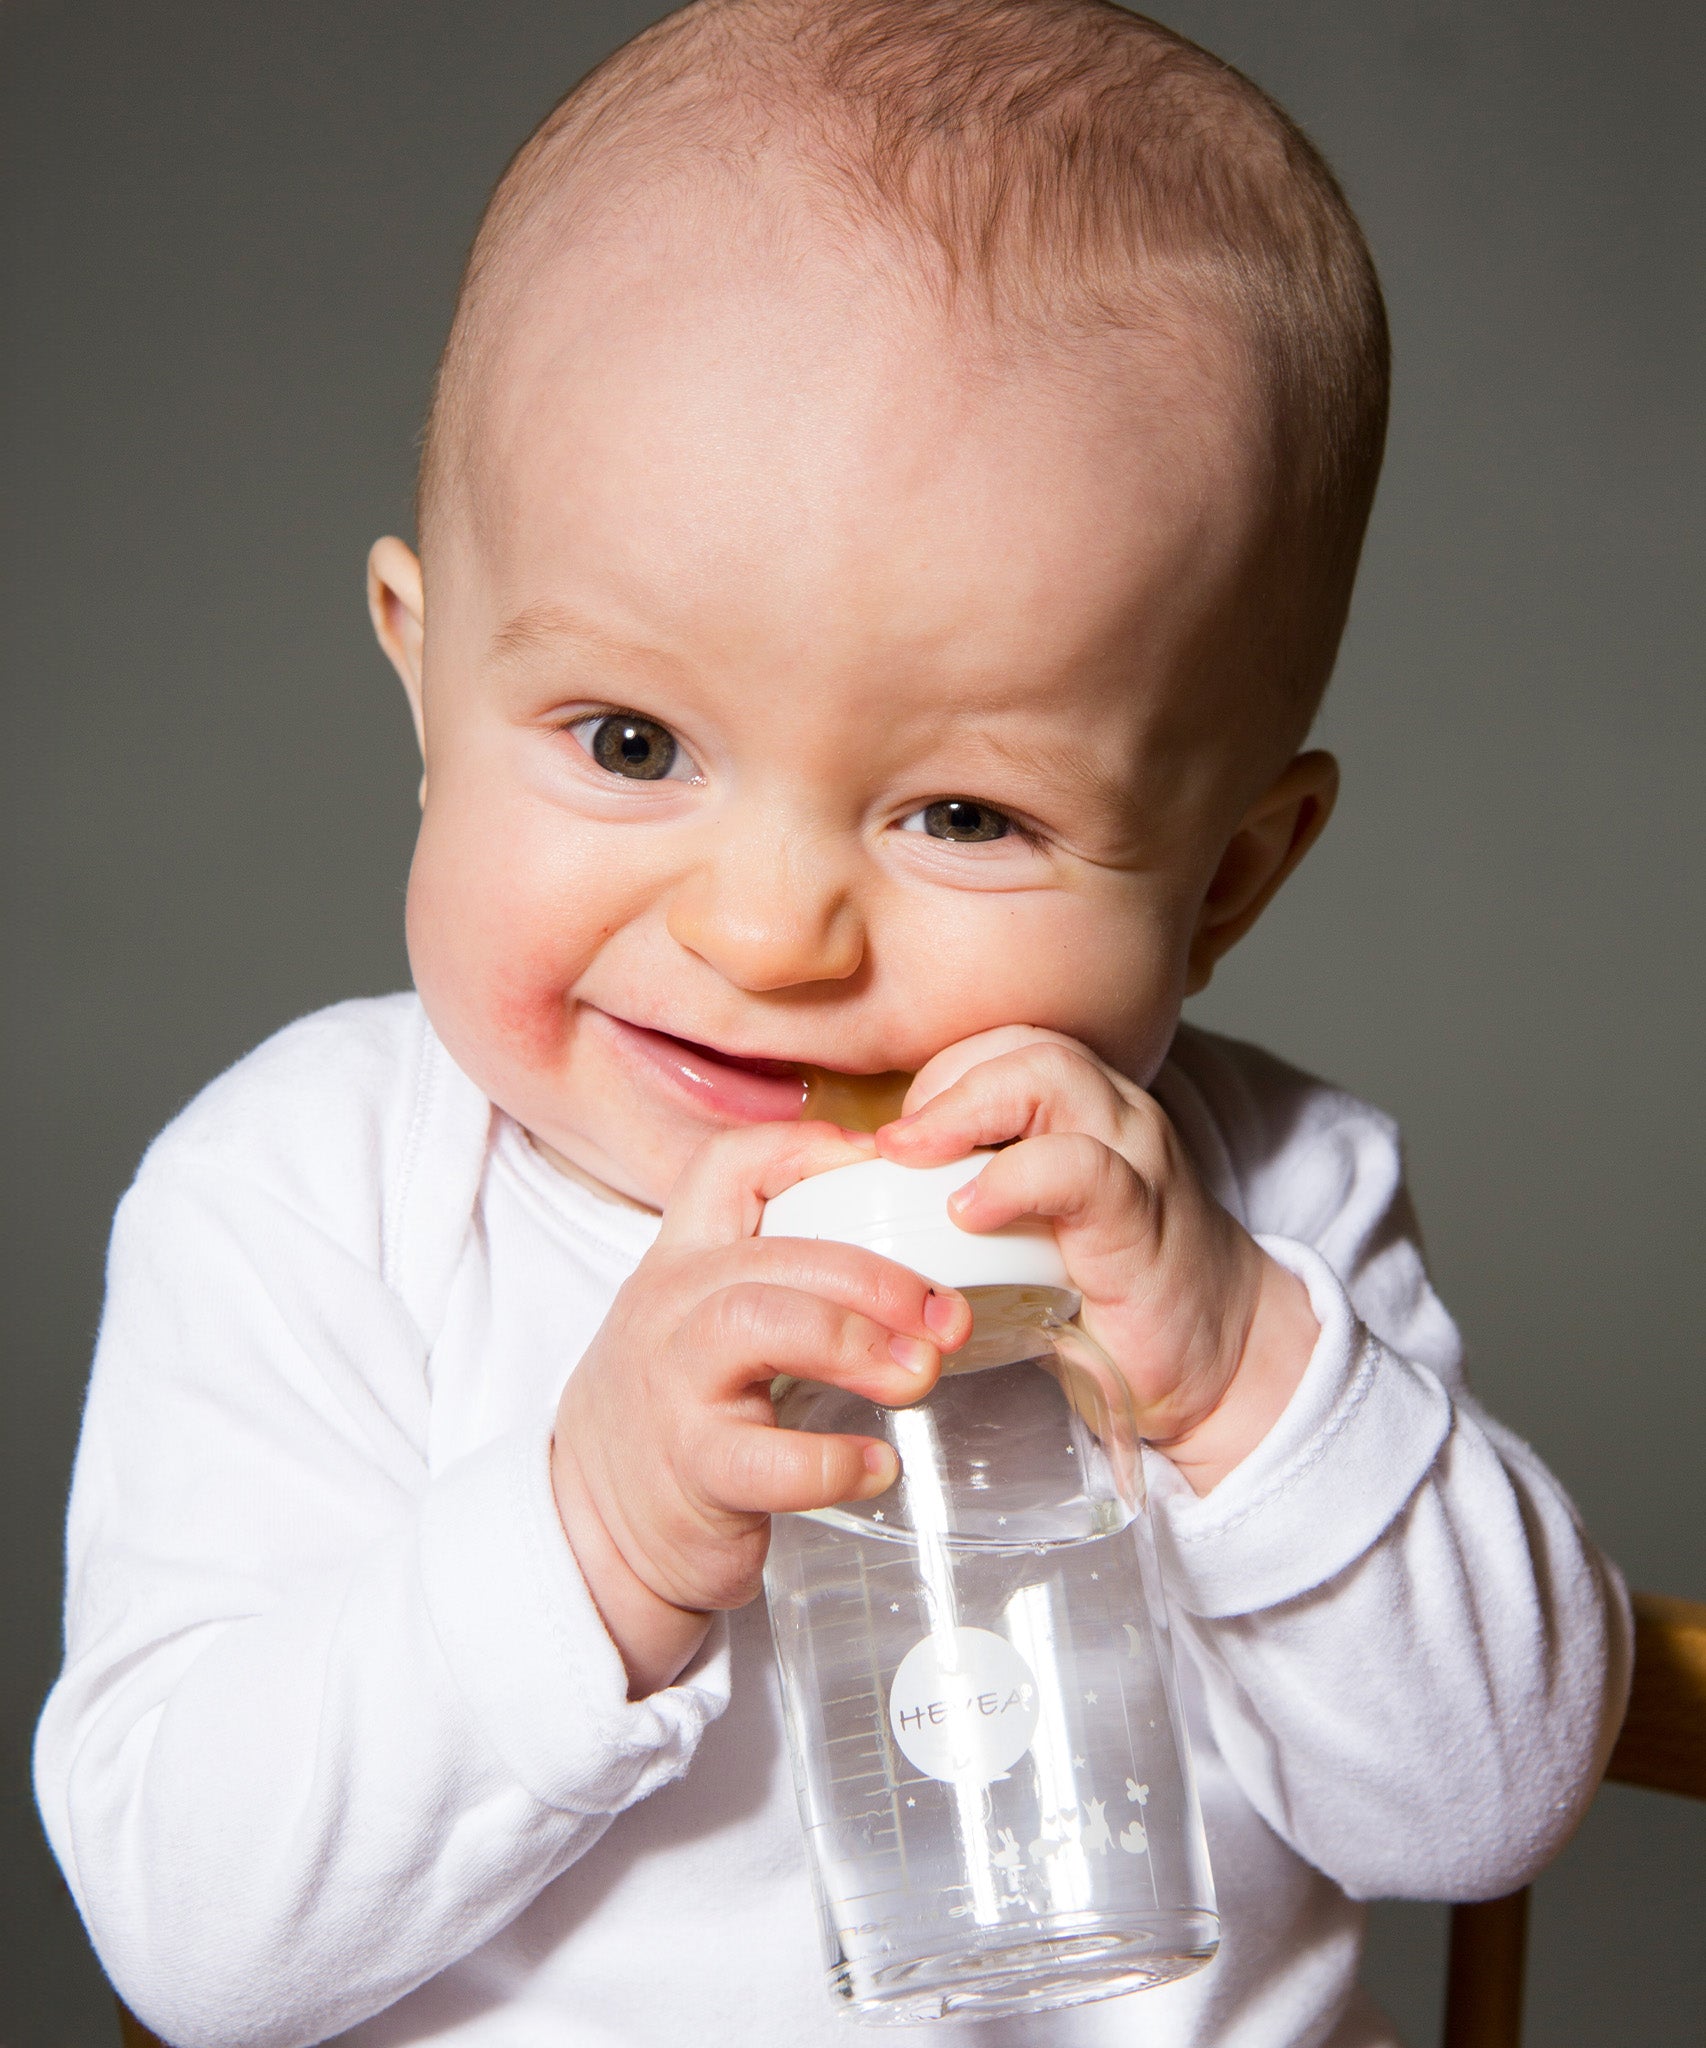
x: 976, y: 1665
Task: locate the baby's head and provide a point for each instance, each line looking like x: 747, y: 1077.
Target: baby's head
x: 888, y: 514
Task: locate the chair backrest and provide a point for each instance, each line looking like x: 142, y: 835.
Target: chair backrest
x: 1662, y: 1747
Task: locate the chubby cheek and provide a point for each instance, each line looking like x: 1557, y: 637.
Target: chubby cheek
x: 1105, y: 967
x: 1131, y: 994
x: 496, y: 944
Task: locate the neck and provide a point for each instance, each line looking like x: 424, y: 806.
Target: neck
x: 570, y: 1171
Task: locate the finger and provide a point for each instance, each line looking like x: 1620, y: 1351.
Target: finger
x: 1105, y: 1212
x: 756, y: 1468
x: 845, y: 1274
x: 1046, y: 1085
x: 954, y: 1060
x: 745, y: 1335
x: 723, y: 1188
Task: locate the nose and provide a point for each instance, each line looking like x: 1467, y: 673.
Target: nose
x: 768, y: 914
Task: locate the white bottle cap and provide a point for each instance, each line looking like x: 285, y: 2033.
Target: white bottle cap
x: 901, y: 1213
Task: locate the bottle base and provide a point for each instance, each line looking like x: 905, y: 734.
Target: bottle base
x: 998, y: 1978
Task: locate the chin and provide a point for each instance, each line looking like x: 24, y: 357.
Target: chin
x: 627, y: 1146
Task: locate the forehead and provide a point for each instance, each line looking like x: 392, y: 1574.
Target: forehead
x: 762, y: 444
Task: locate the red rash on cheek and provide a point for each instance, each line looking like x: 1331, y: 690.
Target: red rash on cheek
x: 490, y: 958
x: 527, y: 1013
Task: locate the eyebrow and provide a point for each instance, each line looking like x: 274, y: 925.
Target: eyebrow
x: 545, y: 625
x: 1082, y: 775
x: 1076, y: 774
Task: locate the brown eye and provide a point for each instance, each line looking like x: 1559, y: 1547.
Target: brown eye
x: 958, y: 819
x: 638, y: 748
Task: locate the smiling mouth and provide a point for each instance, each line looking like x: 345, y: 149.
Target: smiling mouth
x: 730, y: 1088
x: 768, y: 1070
x: 747, y: 1088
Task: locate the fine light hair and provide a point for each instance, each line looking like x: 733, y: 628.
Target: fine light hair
x: 1064, y: 167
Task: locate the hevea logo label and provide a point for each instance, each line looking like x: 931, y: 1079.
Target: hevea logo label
x: 963, y: 1706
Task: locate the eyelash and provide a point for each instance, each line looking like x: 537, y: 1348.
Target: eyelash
x: 589, y: 723
x: 1014, y: 828
x: 586, y: 726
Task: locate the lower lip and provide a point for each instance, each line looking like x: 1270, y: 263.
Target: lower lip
x: 731, y: 1093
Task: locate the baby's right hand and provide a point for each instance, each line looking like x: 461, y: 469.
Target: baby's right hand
x: 667, y: 1463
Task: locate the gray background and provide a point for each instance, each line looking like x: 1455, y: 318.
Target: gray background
x: 231, y: 237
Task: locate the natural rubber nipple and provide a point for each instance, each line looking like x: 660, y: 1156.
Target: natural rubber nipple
x: 857, y: 1102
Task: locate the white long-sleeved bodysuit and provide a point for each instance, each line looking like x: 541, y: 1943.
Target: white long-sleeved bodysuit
x: 342, y: 1749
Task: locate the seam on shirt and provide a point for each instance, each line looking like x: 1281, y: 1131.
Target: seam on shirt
x: 425, y: 1084
x: 1355, y: 1395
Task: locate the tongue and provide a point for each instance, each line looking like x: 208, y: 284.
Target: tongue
x: 857, y: 1102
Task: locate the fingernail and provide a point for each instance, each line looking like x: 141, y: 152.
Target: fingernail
x: 962, y: 1195
x: 942, y: 1311
x: 899, y: 1123
x: 913, y: 1352
x: 881, y: 1463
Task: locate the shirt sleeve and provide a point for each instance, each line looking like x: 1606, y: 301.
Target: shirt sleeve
x: 1414, y: 1659
x: 326, y: 1722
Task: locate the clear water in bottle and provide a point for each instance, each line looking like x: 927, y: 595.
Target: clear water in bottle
x: 979, y: 1689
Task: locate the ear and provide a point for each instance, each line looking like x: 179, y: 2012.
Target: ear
x: 396, y: 603
x: 1272, y: 837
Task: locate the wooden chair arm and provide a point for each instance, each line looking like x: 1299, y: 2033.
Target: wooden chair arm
x: 1483, y: 1981
x: 132, y: 2032
x: 1662, y: 1745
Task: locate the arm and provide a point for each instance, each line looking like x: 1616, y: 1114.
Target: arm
x: 1415, y: 1661
x: 327, y: 1721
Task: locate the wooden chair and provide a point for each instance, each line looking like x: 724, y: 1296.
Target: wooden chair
x: 1662, y: 1747
x: 132, y: 2032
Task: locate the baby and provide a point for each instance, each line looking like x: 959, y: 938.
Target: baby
x: 887, y: 516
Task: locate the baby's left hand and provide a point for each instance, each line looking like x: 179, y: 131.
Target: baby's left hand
x: 1211, y: 1335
